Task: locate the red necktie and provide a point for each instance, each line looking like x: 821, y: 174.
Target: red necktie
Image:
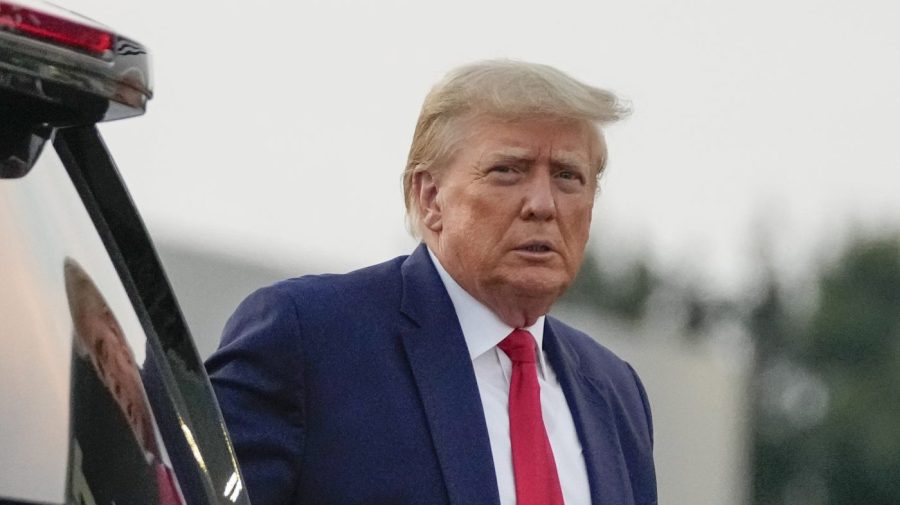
x: 537, y: 482
x: 166, y: 486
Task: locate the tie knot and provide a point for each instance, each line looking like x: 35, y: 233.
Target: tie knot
x: 519, y: 346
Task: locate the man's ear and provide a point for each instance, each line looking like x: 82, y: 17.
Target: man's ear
x: 425, y: 185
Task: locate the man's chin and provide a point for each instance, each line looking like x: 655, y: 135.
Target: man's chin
x: 539, y: 284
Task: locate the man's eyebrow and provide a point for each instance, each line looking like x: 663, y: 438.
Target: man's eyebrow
x: 569, y: 160
x: 509, y: 154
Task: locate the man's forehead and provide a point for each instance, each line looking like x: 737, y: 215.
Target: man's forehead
x: 561, y: 155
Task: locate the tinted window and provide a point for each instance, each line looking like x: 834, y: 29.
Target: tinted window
x: 69, y: 326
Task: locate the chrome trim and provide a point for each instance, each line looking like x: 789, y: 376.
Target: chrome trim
x: 53, y: 73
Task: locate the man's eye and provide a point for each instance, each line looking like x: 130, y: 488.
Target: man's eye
x: 503, y: 174
x: 569, y: 175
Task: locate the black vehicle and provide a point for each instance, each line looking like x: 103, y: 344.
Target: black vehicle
x: 103, y: 398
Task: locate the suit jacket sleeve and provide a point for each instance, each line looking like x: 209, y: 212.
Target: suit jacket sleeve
x: 645, y: 402
x: 258, y: 379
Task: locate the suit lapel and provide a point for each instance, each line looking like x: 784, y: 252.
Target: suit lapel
x: 442, y: 368
x: 588, y: 400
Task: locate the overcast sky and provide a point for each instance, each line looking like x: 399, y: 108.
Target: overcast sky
x: 279, y: 129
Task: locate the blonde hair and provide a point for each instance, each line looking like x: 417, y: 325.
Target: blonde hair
x: 502, y: 89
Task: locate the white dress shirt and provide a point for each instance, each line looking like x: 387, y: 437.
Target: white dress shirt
x: 483, y: 330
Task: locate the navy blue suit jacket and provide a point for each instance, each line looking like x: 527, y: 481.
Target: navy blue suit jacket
x: 359, y: 389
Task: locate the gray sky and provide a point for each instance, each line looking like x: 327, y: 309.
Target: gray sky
x: 279, y: 129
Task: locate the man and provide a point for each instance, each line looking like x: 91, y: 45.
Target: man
x: 438, y: 378
x: 114, y: 454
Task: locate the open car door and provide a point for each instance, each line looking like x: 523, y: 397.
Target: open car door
x: 103, y: 398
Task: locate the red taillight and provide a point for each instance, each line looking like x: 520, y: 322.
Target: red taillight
x: 54, y: 29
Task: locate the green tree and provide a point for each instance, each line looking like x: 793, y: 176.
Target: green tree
x: 827, y: 389
x: 622, y: 292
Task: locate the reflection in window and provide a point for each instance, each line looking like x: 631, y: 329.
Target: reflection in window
x: 42, y: 223
x: 116, y: 455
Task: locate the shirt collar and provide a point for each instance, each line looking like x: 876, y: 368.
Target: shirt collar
x: 481, y: 328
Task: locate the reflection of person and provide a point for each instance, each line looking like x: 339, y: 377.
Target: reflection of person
x: 114, y: 444
x: 417, y: 381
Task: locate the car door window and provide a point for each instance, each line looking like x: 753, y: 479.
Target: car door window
x: 68, y: 327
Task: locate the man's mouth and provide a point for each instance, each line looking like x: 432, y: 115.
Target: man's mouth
x: 535, y: 247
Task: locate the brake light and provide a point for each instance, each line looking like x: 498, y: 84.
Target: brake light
x: 54, y: 29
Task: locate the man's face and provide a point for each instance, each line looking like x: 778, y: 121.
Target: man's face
x: 511, y: 212
x: 118, y: 372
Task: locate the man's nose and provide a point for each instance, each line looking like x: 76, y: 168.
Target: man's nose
x: 539, y: 199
